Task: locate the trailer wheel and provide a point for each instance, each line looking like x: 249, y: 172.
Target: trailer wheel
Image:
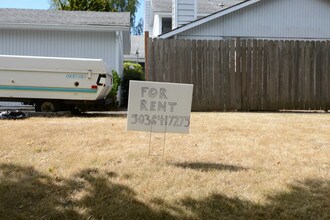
x: 46, y: 106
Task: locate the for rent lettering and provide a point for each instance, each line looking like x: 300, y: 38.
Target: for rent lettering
x: 153, y: 92
x: 153, y: 106
x: 159, y: 106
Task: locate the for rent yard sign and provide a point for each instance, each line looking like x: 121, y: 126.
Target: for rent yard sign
x: 159, y: 107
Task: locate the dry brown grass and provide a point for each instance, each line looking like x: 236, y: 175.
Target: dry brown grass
x: 230, y: 166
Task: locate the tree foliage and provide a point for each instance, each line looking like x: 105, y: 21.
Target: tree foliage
x: 114, y: 90
x: 132, y: 71
x: 138, y: 29
x: 98, y: 5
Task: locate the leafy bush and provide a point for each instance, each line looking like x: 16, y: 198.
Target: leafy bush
x: 114, y: 91
x: 132, y: 71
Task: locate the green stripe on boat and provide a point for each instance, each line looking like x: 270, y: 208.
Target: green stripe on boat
x: 48, y: 89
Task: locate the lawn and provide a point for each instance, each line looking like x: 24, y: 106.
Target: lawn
x: 230, y: 166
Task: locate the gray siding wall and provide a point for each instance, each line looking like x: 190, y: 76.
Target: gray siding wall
x: 174, y: 14
x: 288, y: 19
x: 183, y: 12
x: 100, y: 45
x: 120, y: 59
x: 147, y: 5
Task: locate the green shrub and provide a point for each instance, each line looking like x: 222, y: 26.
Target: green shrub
x: 132, y: 71
x: 114, y: 91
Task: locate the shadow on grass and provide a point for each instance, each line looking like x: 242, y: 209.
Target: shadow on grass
x: 90, y: 194
x: 305, y: 200
x: 27, y: 194
x: 206, y: 167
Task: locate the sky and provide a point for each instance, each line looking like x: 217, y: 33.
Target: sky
x: 44, y: 4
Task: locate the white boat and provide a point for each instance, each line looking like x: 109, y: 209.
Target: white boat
x: 53, y: 84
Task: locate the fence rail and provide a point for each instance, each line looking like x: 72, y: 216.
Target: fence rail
x: 245, y: 75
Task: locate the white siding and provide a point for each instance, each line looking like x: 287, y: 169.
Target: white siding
x: 183, y: 12
x: 120, y: 59
x: 157, y: 28
x: 288, y: 19
x: 61, y: 44
x: 146, y: 23
x: 174, y: 14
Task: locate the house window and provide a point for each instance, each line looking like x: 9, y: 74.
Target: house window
x: 166, y: 25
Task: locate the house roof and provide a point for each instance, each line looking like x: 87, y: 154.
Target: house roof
x: 137, y: 50
x: 211, y: 6
x: 204, y: 6
x: 162, y: 5
x: 208, y: 18
x: 21, y: 17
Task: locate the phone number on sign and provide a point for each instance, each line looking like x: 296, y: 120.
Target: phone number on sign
x: 162, y: 120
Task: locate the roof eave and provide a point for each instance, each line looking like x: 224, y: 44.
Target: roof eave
x: 104, y: 28
x: 207, y: 19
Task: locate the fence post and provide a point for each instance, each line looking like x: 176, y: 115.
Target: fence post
x: 146, y: 65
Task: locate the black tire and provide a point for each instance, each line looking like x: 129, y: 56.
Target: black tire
x: 76, y: 111
x: 46, y: 106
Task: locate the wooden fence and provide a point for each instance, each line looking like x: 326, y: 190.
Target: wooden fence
x: 245, y: 75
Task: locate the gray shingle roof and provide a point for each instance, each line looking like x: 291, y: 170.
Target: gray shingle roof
x: 162, y: 5
x: 211, y: 6
x: 56, y: 17
x: 204, y: 6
